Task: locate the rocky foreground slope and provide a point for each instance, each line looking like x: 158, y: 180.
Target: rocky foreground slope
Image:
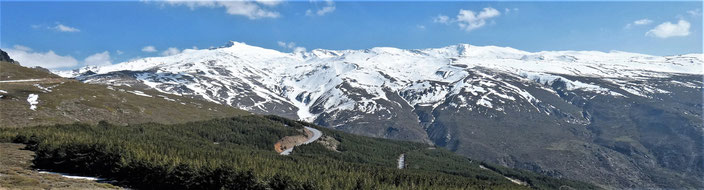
x: 30, y: 96
x: 617, y: 119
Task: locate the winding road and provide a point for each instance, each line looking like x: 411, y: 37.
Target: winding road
x: 316, y: 135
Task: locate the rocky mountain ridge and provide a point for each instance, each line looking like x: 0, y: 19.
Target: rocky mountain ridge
x: 613, y: 118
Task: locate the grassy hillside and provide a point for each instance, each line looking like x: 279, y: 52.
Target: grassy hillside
x: 16, y: 173
x: 64, y: 101
x: 237, y: 153
x: 10, y: 71
x: 149, y: 140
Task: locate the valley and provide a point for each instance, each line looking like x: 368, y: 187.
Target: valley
x: 207, y: 146
x: 327, y: 94
x: 602, y: 117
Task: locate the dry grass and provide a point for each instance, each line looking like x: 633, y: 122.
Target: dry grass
x: 16, y: 173
x: 70, y: 101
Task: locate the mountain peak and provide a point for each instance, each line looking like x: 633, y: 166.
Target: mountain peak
x: 231, y: 43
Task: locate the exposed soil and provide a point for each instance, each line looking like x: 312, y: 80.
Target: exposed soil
x: 330, y: 143
x: 291, y: 141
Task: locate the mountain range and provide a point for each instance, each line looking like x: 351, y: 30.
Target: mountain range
x: 61, y: 133
x: 617, y: 119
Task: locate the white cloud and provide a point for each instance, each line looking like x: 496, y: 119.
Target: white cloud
x: 291, y: 46
x: 328, y: 8
x: 644, y: 21
x: 695, y: 12
x: 299, y: 50
x: 668, y: 29
x: 119, y: 52
x: 64, y: 28
x: 170, y: 51
x: 270, y: 3
x: 22, y: 48
x: 250, y: 9
x: 98, y: 59
x: 469, y: 20
x: 149, y: 49
x: 442, y: 19
x: 49, y: 60
x: 420, y: 27
x: 508, y: 10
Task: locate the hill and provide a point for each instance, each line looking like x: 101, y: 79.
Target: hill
x: 41, y: 98
x: 114, y: 132
x: 238, y: 153
x: 619, y: 119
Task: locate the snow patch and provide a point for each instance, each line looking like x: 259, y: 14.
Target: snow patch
x: 401, y: 161
x: 23, y: 80
x: 167, y: 98
x: 45, y: 89
x: 33, y: 100
x: 337, y: 80
x: 73, y: 176
x: 139, y: 93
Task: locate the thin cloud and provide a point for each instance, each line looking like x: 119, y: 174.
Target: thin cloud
x: 56, y: 27
x: 22, y: 48
x: 250, y: 9
x: 668, y: 29
x: 291, y: 46
x: 270, y: 3
x: 508, y: 10
x: 98, y: 59
x: 328, y: 8
x: 695, y: 12
x: 640, y: 22
x: 171, y: 51
x: 469, y: 20
x: 442, y: 19
x: 149, y: 49
x: 64, y: 28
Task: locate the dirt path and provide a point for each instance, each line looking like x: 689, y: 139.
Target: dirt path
x: 285, y: 145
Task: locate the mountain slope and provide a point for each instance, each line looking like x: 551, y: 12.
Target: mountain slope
x: 237, y: 153
x: 42, y: 98
x: 611, y: 118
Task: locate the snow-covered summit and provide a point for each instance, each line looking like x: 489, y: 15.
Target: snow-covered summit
x: 504, y: 58
x: 320, y: 82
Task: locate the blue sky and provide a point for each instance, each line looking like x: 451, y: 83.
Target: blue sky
x: 67, y: 35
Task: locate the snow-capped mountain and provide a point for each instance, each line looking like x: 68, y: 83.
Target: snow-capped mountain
x: 495, y: 103
x: 256, y: 79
